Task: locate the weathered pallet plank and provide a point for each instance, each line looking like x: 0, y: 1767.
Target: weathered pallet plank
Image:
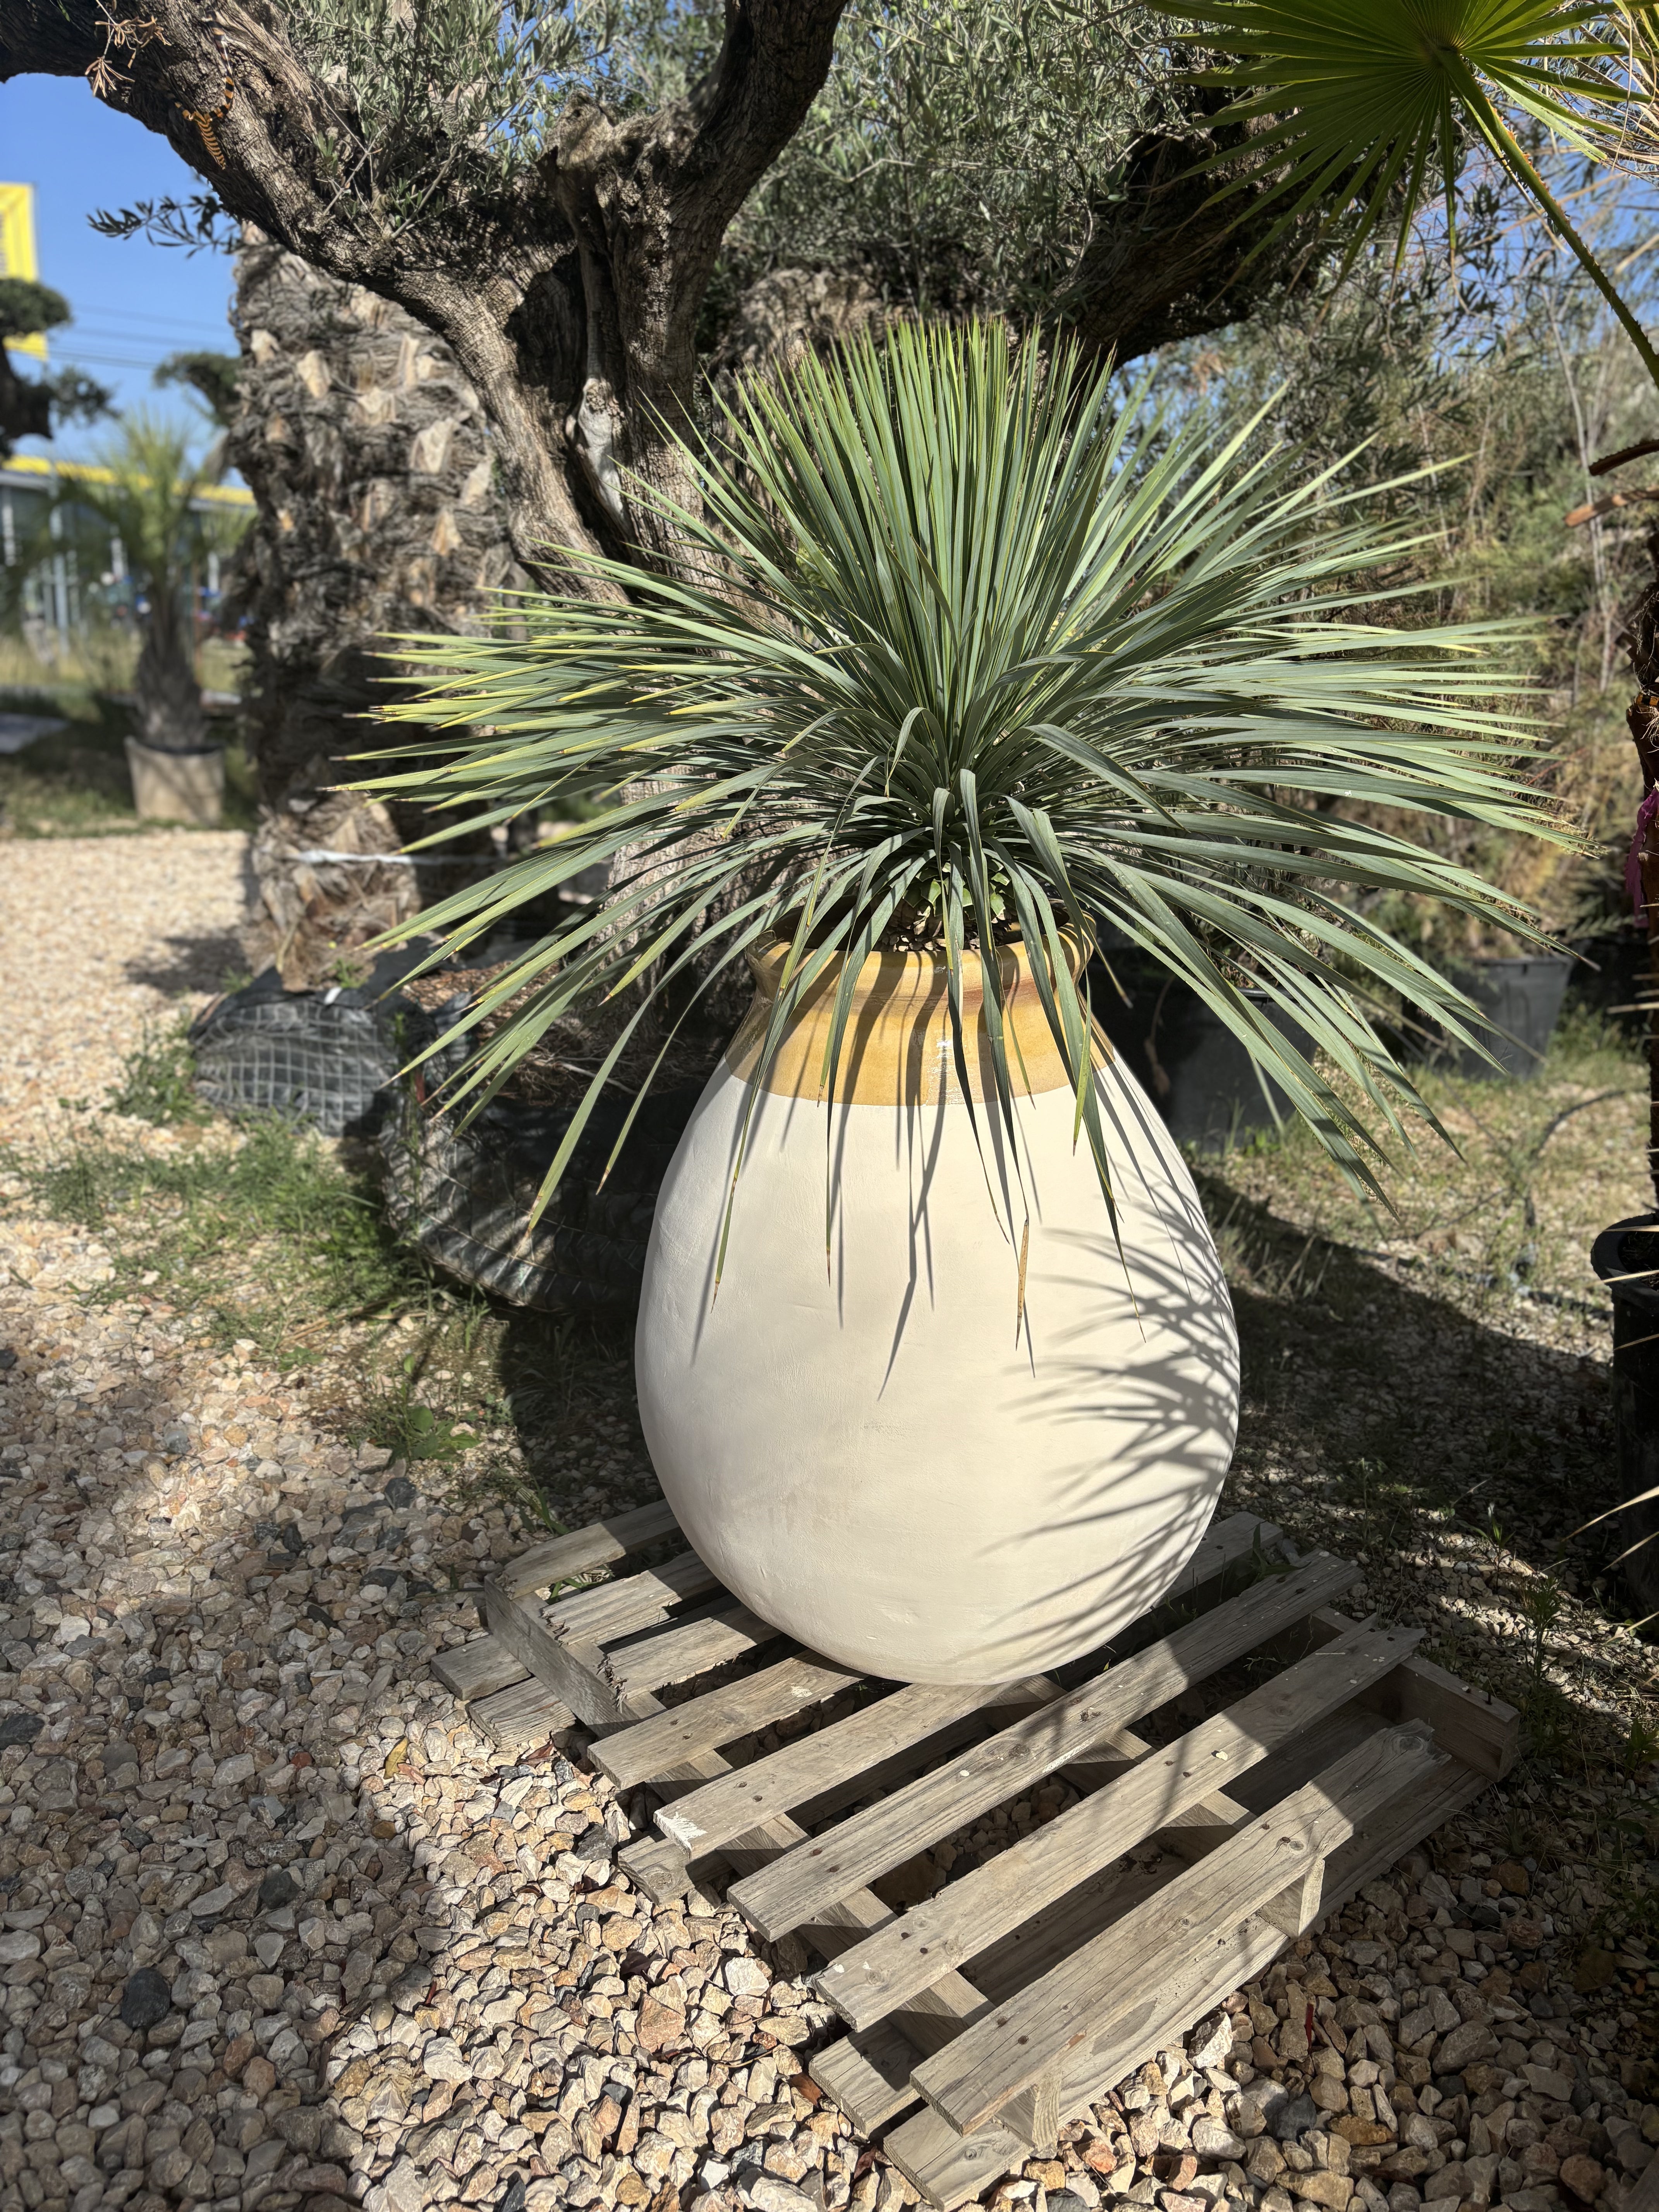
x: 782, y: 1897
x: 862, y: 2071
x: 585, y: 1549
x: 655, y: 1867
x: 473, y: 1670
x: 866, y: 1984
x: 939, y: 2011
x: 1039, y: 1944
x: 678, y: 1654
x: 1372, y: 1779
x: 1416, y: 1812
x: 798, y: 1773
x: 868, y: 2076
x: 664, y: 1871
x: 526, y: 1712
x: 948, y: 2168
x: 635, y: 1601
x: 571, y: 1671
x: 720, y: 1716
x: 1079, y: 2013
x: 1476, y: 1727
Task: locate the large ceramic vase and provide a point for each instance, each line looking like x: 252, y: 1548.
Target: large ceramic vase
x: 870, y: 1440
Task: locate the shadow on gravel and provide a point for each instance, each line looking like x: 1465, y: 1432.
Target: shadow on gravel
x: 201, y: 963
x: 1452, y: 1458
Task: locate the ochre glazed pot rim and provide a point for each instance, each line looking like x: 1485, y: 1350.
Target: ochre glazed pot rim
x: 897, y: 1049
x: 926, y: 967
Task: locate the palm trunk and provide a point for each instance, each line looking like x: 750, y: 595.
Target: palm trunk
x: 378, y: 515
x: 167, y: 697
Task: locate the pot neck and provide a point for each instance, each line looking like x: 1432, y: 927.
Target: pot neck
x: 897, y: 1048
x: 914, y: 977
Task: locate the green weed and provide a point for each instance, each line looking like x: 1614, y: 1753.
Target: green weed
x: 158, y: 1078
x: 399, y: 1423
x: 269, y: 1237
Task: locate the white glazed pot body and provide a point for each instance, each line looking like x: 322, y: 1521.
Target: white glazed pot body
x: 865, y: 1447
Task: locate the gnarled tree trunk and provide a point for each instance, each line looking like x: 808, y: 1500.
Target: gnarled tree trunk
x: 567, y: 292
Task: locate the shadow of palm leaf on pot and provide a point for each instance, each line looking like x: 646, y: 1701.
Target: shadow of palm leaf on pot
x: 962, y: 660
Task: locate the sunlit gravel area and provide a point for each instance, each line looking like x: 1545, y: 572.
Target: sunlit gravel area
x: 278, y: 1927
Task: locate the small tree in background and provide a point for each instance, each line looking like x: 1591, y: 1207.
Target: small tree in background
x: 30, y: 406
x: 147, y: 502
x: 215, y: 378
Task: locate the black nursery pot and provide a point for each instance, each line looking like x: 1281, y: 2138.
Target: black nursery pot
x: 1188, y: 1062
x: 1522, y: 999
x: 1626, y: 1258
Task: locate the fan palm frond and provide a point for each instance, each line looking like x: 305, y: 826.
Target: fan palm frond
x: 1367, y: 103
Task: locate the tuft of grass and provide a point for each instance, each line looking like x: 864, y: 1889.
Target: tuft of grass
x: 269, y: 1237
x: 158, y: 1078
x: 393, y: 1418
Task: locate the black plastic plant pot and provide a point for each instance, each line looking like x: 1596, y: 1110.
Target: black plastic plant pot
x: 461, y: 1191
x: 1189, y: 1063
x: 1522, y: 1000
x: 1626, y: 1258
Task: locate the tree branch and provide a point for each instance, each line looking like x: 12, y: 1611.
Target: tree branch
x: 1170, y: 261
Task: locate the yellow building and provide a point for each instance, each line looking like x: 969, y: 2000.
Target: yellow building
x: 17, y: 252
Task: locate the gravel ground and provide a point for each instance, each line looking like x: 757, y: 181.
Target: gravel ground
x: 100, y: 940
x: 278, y: 1927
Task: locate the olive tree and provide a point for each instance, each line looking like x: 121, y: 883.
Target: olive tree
x: 548, y: 191
x: 454, y: 155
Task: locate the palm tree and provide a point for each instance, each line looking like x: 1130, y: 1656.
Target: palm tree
x: 143, y: 488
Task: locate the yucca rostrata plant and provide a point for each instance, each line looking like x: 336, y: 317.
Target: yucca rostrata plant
x: 964, y: 647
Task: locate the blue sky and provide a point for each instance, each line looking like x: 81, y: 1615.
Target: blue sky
x: 134, y: 303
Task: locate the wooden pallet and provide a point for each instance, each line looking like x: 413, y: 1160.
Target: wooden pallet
x: 981, y: 2019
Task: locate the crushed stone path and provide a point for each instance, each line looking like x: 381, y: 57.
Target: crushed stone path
x: 277, y: 1929
x: 100, y: 938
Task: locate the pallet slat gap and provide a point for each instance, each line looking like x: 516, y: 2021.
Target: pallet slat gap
x: 784, y: 1894
x: 1044, y: 1866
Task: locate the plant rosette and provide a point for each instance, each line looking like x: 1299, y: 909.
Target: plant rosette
x: 935, y: 1355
